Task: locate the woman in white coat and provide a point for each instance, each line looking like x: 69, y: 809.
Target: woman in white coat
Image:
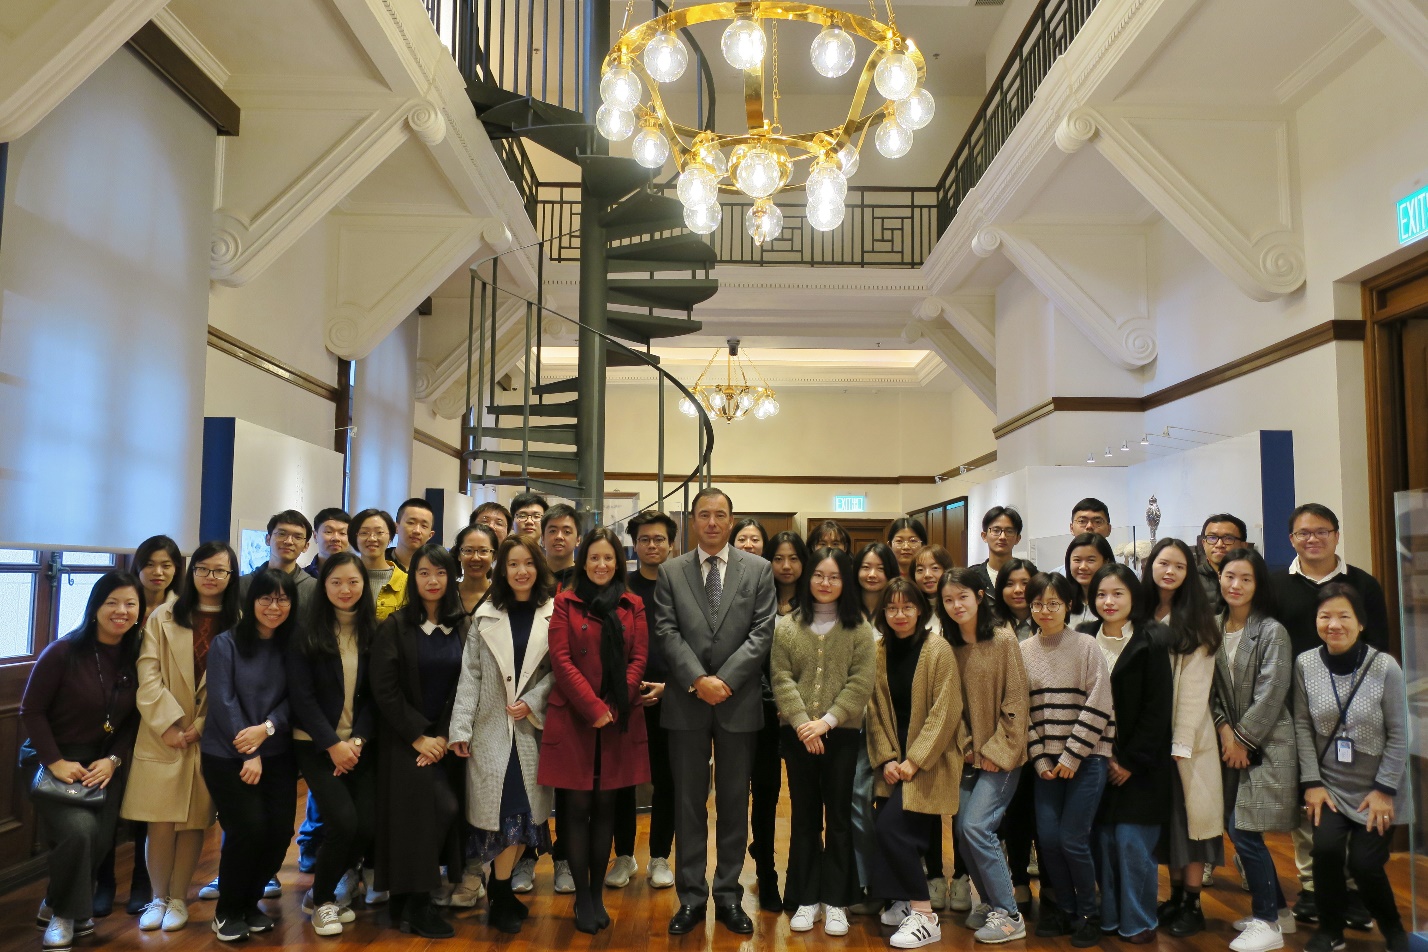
x: 498, y: 717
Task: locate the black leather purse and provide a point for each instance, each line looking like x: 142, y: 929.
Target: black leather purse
x: 46, y: 786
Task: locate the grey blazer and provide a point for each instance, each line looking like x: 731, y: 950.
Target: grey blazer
x: 1255, y: 704
x: 731, y: 646
x: 488, y: 683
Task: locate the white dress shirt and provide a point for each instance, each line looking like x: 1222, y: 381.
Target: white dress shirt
x: 723, y: 563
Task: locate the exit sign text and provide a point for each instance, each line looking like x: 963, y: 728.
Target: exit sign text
x: 850, y: 503
x: 1413, y: 216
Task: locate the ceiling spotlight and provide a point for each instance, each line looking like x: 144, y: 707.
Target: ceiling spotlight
x: 1108, y: 452
x: 1125, y: 447
x: 1145, y: 440
x: 1090, y: 457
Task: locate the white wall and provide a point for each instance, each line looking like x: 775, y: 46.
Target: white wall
x: 383, y: 404
x: 103, y: 316
x: 273, y: 471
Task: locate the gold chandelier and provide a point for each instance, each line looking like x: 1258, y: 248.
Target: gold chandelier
x: 736, y: 397
x: 764, y: 160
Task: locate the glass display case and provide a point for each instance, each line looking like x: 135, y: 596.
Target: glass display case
x: 1411, y: 517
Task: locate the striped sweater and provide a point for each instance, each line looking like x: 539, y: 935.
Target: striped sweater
x: 1071, y: 708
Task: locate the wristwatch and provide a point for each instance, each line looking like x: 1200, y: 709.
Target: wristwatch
x: 268, y: 726
x: 116, y: 760
x: 357, y: 742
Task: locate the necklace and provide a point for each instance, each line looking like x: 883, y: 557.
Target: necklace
x: 107, y: 693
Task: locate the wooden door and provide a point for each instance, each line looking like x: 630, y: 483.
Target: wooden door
x: 865, y: 531
x: 1415, y: 402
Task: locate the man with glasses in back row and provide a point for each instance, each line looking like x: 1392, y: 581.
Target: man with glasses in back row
x: 1001, y: 531
x: 1220, y: 535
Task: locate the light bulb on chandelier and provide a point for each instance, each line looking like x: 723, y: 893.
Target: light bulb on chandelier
x: 666, y: 57
x: 833, y: 52
x: 614, y: 123
x: 743, y: 43
x: 703, y: 219
x: 765, y: 408
x: 650, y: 147
x: 759, y: 172
x: 621, y: 88
x: 698, y: 186
x: 849, y: 159
x: 826, y: 182
x: 827, y: 214
x: 686, y: 406
x: 893, y: 139
x: 765, y: 221
x: 915, y: 112
x: 896, y: 76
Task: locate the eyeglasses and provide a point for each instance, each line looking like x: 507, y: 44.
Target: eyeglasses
x: 283, y: 535
x: 820, y: 579
x: 273, y: 601
x: 203, y: 571
x: 1226, y: 539
x: 1047, y: 606
x: 1084, y: 523
x: 467, y: 552
x: 372, y: 533
x: 906, y: 543
x: 900, y: 610
x: 1304, y: 535
x: 999, y: 531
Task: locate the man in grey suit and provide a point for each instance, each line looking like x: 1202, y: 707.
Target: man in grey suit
x: 714, y: 612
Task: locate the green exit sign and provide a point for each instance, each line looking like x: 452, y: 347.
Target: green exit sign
x: 1413, y: 216
x: 850, y: 503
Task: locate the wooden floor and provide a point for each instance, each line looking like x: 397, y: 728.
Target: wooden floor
x: 640, y: 916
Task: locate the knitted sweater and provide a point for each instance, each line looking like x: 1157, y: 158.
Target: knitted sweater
x: 994, y: 699
x: 1297, y: 598
x: 1071, y: 715
x: 814, y: 674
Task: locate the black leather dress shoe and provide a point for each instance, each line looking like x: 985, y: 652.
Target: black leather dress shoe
x: 684, y: 921
x: 734, y: 918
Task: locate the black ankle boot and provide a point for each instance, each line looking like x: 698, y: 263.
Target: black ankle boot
x: 769, y: 898
x: 1190, y: 920
x: 421, y: 917
x: 585, y: 919
x: 501, y: 912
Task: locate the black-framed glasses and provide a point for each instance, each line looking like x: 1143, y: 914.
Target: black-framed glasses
x: 1226, y: 539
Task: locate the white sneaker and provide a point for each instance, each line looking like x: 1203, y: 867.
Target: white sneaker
x: 1033, y: 865
x: 1288, y: 925
x: 347, y: 888
x: 374, y: 897
x: 471, y: 889
x: 619, y: 875
x: 177, y: 915
x: 835, y: 920
x: 1001, y: 927
x: 937, y: 892
x: 916, y: 931
x: 59, y: 935
x: 660, y: 875
x: 441, y: 895
x: 209, y: 890
x: 153, y: 915
x: 894, y: 915
x: 804, y: 918
x: 1258, y: 936
x: 959, y: 896
x: 564, y: 878
x: 523, y: 876
x: 1207, y: 878
x: 327, y: 920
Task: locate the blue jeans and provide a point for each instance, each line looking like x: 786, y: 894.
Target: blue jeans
x: 1266, y: 898
x: 1065, y: 810
x: 985, y: 796
x: 1128, y: 877
x: 865, y: 840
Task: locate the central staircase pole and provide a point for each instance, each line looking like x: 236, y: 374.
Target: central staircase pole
x: 590, y: 424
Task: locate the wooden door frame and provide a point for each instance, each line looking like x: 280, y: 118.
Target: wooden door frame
x: 1389, y: 298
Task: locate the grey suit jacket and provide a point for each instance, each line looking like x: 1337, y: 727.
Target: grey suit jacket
x: 731, y: 646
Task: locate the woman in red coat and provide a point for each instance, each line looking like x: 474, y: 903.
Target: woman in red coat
x: 594, y: 743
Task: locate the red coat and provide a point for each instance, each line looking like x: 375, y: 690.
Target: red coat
x: 567, y: 749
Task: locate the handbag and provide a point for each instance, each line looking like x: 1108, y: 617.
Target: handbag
x: 50, y: 788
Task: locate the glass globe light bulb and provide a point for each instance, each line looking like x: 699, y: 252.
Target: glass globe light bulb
x: 893, y: 139
x: 916, y: 110
x: 716, y: 400
x: 697, y: 186
x: 848, y: 157
x: 614, y: 123
x: 826, y: 182
x: 743, y: 43
x: 833, y: 52
x: 666, y: 57
x: 773, y: 407
x: 704, y: 219
x: 896, y: 76
x: 764, y: 222
x: 758, y: 174
x: 746, y: 401
x: 686, y: 406
x: 826, y: 215
x: 650, y: 147
x: 621, y: 88
x: 715, y: 159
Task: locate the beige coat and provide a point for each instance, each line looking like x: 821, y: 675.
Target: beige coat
x: 936, y: 715
x: 1193, y: 726
x: 166, y: 785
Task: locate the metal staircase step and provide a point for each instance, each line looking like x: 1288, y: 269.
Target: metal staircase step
x: 509, y: 113
x: 675, y: 293
x: 557, y: 461
x: 643, y: 214
x: 615, y: 357
x: 565, y: 489
x: 682, y: 252
x: 612, y: 177
x: 485, y: 95
x: 566, y: 140
x: 641, y: 328
x: 554, y: 115
x: 568, y: 385
x: 564, y: 434
x: 570, y: 408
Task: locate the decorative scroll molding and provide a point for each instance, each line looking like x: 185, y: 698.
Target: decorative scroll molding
x: 1193, y: 164
x: 427, y: 122
x: 1402, y: 22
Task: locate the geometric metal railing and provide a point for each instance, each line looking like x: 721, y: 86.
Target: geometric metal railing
x: 885, y: 227
x: 1048, y: 33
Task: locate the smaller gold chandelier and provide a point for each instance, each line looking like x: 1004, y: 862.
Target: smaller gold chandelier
x: 736, y: 397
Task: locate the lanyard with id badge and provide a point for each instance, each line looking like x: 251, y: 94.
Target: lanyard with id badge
x: 1342, y: 746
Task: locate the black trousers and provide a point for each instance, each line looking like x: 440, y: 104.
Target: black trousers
x: 902, y: 839
x: 257, y: 822
x: 1018, y: 827
x: 79, y: 839
x: 348, y: 806
x: 689, y: 756
x: 1340, y: 841
x: 765, y: 782
x: 820, y: 843
x: 661, y: 797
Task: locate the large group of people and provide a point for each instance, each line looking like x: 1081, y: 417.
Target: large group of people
x: 457, y: 713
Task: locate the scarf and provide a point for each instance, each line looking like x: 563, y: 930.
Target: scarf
x: 603, y: 604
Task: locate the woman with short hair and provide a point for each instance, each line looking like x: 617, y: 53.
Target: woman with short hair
x: 906, y: 535
x: 749, y: 535
x: 371, y: 531
x: 475, y: 552
x: 828, y: 534
x: 1018, y: 829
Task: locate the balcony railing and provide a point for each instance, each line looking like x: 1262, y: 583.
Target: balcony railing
x: 885, y: 227
x: 1048, y: 33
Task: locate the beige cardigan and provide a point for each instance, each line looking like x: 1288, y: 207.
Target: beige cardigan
x: 936, y: 715
x: 1194, y: 727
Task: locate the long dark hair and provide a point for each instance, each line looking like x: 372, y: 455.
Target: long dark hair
x: 85, y: 639
x: 1097, y: 542
x: 603, y: 602
x: 449, y: 610
x: 146, y: 551
x: 850, y: 598
x: 800, y: 551
x: 317, y: 635
x: 901, y: 587
x: 265, y: 582
x: 1192, y: 623
x: 1003, y: 579
x: 502, y: 596
x: 986, y: 612
x: 1140, y: 611
x: 1263, y: 602
x: 187, y: 602
x: 743, y: 524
